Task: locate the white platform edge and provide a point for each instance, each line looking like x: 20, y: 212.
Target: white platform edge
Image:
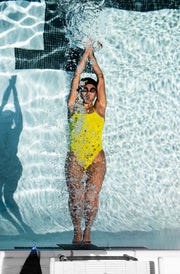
x: 165, y: 261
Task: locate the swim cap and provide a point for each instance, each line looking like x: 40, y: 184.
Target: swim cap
x: 86, y: 81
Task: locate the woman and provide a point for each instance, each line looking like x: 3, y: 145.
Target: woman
x: 86, y: 163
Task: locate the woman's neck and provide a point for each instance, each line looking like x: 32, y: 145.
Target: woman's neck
x: 89, y: 108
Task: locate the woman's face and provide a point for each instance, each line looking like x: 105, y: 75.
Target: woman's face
x: 88, y: 96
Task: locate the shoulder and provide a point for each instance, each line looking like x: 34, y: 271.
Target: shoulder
x: 73, y: 108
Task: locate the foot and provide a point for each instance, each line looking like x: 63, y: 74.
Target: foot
x: 86, y: 242
x: 77, y: 236
x: 86, y: 236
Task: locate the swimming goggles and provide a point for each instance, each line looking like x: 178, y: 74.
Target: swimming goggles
x: 85, y: 89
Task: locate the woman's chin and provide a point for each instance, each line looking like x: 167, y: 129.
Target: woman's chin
x: 86, y: 102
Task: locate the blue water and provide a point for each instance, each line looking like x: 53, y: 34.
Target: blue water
x: 140, y: 197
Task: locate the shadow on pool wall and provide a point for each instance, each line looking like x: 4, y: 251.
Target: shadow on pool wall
x: 140, y: 193
x: 11, y: 125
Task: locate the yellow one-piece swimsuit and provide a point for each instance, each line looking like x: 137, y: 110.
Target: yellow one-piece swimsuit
x: 86, y: 136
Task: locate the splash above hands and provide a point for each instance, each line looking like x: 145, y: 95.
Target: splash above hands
x: 93, y: 45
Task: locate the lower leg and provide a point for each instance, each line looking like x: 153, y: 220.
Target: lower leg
x: 90, y: 211
x: 76, y: 210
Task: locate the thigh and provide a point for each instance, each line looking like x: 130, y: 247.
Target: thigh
x: 96, y: 172
x: 74, y: 173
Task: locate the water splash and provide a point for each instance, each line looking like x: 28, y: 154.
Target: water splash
x: 81, y: 20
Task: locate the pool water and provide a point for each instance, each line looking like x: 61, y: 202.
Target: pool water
x: 140, y: 197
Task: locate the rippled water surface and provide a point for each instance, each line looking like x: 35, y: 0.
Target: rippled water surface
x: 141, y: 138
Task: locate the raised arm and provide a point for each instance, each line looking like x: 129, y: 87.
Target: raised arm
x: 100, y: 104
x: 5, y: 97
x: 18, y: 114
x: 76, y: 78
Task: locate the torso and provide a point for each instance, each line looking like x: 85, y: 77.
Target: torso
x: 86, y: 135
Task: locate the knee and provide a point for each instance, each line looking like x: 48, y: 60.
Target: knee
x: 91, y: 196
x: 75, y: 198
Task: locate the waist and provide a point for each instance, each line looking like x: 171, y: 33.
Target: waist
x: 83, y: 142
